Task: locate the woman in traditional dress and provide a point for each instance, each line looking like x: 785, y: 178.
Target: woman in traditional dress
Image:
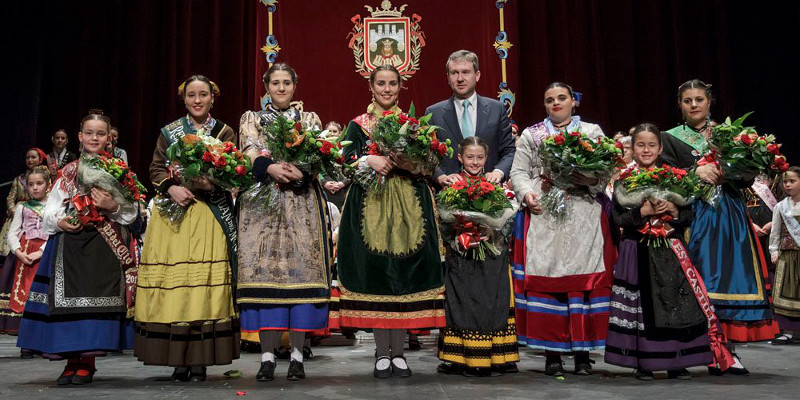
x: 68, y: 316
x: 184, y: 301
x: 19, y: 192
x: 656, y: 322
x: 286, y: 251
x: 723, y: 243
x: 480, y: 338
x: 562, y: 303
x: 390, y: 268
x: 784, y: 248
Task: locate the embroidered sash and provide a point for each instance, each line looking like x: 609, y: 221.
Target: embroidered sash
x: 219, y: 201
x: 785, y: 209
x: 763, y: 192
x: 693, y: 139
x: 722, y: 355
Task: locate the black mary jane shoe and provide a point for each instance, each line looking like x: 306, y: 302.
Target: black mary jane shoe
x: 738, y: 371
x: 510, y: 368
x: 267, y: 371
x: 382, y: 373
x: 782, y: 340
x: 26, y: 354
x: 584, y: 368
x: 181, y: 374
x: 682, y: 374
x: 296, y: 371
x: 644, y: 375
x: 555, y: 368
x: 83, y: 377
x: 197, y: 374
x: 480, y: 373
x: 66, y: 377
x: 401, y: 372
x: 449, y: 368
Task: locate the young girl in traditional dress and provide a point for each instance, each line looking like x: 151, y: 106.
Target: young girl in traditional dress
x: 480, y: 338
x: 19, y: 192
x: 784, y: 248
x: 656, y: 322
x: 68, y: 316
x: 26, y: 241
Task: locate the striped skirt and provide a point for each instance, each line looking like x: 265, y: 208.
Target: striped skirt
x: 627, y: 344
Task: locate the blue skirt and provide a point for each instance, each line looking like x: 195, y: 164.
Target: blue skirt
x: 724, y: 247
x: 67, y: 335
x: 292, y: 317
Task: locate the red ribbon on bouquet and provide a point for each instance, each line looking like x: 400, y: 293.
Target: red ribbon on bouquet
x: 470, y: 234
x: 658, y: 226
x: 86, y: 210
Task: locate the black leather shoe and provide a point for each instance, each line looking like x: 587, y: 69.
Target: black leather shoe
x: 267, y: 371
x: 644, y: 375
x: 82, y: 378
x: 450, y: 368
x: 583, y: 369
x: 197, y: 374
x: 510, y: 368
x: 401, y: 372
x: 181, y: 374
x: 66, y: 377
x: 382, y: 373
x: 555, y: 368
x: 296, y: 371
x: 682, y: 374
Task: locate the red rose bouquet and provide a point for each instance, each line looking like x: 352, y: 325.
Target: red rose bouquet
x: 195, y: 156
x: 110, y: 174
x: 403, y: 135
x: 286, y: 140
x: 741, y: 153
x: 200, y: 155
x: 639, y: 185
x: 477, y: 213
x: 565, y: 154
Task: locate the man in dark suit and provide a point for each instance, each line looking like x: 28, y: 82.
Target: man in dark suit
x: 467, y: 114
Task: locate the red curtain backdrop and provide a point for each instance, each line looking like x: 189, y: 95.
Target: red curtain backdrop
x: 627, y: 57
x: 313, y: 38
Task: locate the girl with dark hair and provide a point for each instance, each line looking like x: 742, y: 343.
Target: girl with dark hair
x: 68, y: 316
x: 184, y: 301
x: 723, y: 244
x: 285, y: 254
x: 391, y: 279
x: 562, y: 270
x: 480, y: 338
x: 656, y: 323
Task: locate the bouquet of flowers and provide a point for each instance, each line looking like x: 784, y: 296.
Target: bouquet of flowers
x: 200, y: 155
x: 110, y: 174
x: 289, y: 141
x: 661, y: 183
x: 195, y: 156
x: 404, y: 135
x: 656, y: 183
x: 574, y: 152
x: 479, y: 212
x: 741, y: 153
